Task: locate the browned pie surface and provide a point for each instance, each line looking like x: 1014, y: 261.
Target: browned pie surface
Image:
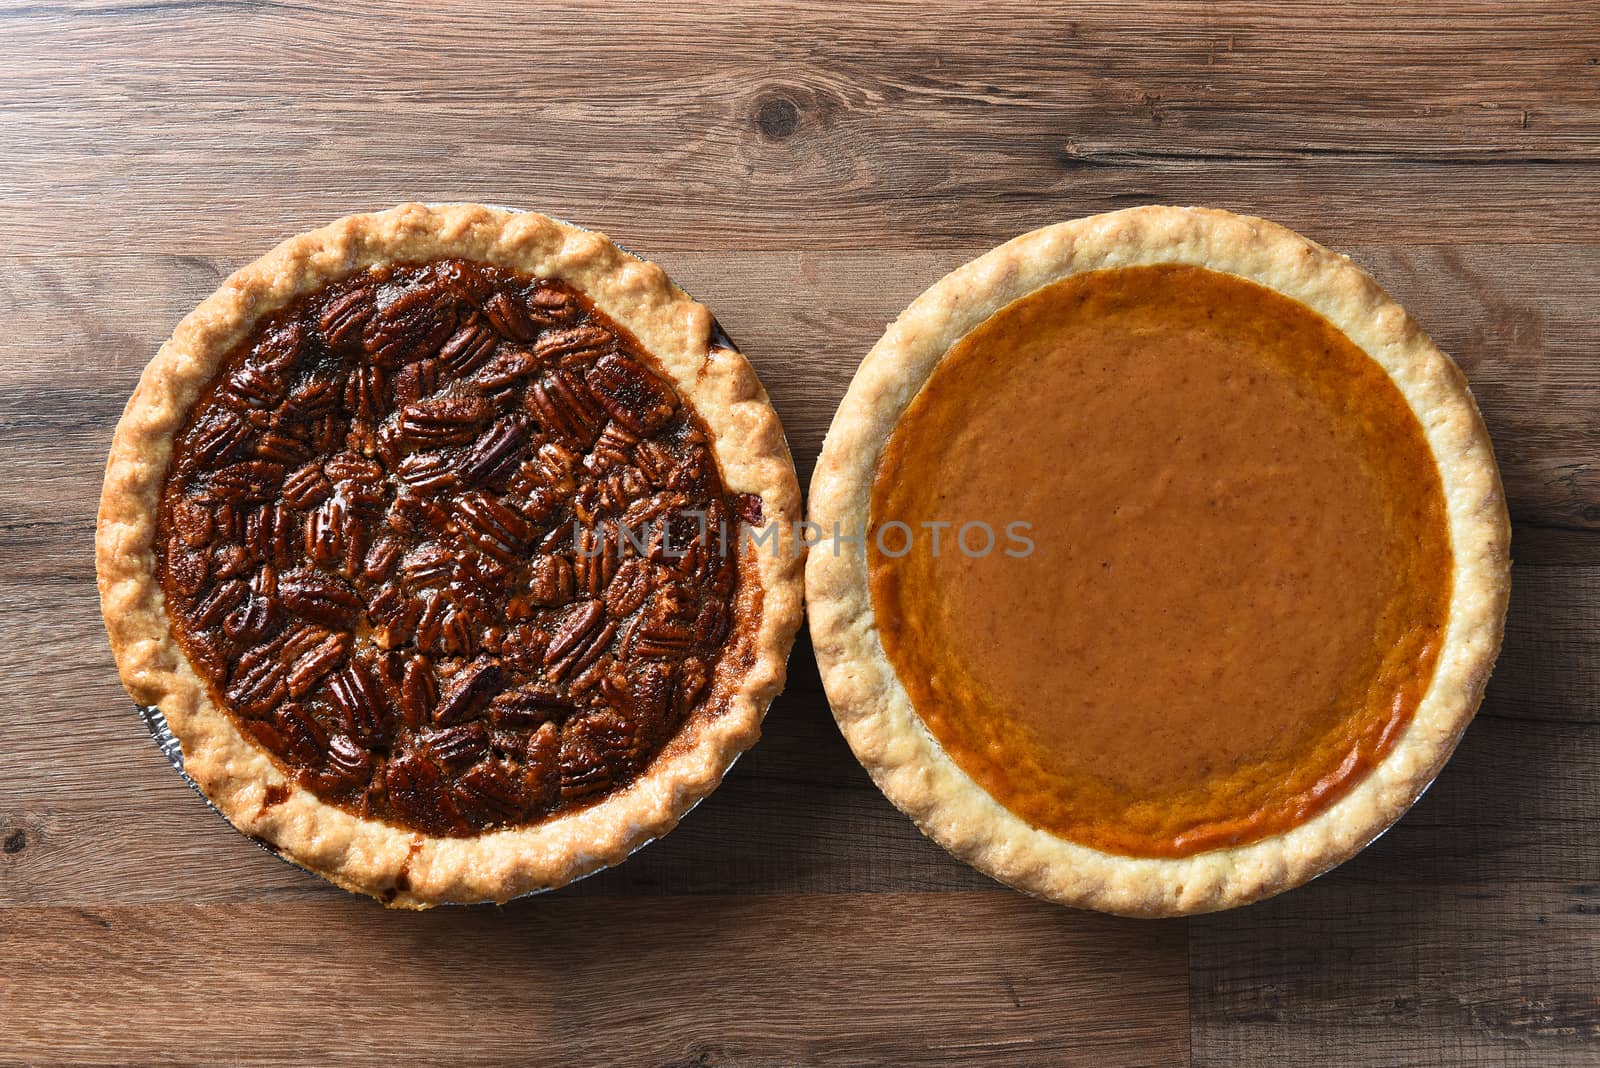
x: 442, y: 541
x: 1239, y: 571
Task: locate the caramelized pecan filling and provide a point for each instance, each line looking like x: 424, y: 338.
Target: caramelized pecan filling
x: 444, y: 543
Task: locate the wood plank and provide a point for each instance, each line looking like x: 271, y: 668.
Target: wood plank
x: 904, y: 979
x: 803, y: 815
x: 96, y: 817
x: 1516, y: 317
x: 1467, y: 934
x: 805, y: 172
x: 862, y: 127
x: 1426, y: 973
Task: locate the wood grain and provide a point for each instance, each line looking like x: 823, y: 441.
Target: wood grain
x: 1515, y: 317
x: 865, y: 127
x: 658, y: 981
x: 805, y: 172
x: 103, y: 821
x: 1424, y: 973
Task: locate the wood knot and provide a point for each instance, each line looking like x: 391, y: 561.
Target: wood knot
x: 777, y: 118
x: 16, y: 841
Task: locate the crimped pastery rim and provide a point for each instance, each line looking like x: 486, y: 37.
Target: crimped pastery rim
x: 870, y: 703
x: 403, y: 867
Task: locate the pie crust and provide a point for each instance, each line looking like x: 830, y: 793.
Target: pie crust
x: 871, y: 703
x: 405, y: 867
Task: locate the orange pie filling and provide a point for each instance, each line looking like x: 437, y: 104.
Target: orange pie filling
x: 1196, y: 572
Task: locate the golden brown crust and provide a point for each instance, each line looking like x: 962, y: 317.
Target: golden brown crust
x: 871, y: 705
x: 403, y: 867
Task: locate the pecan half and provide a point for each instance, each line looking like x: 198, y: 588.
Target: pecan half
x: 493, y: 526
x: 550, y: 581
x: 574, y: 344
x: 347, y: 761
x: 629, y: 587
x: 454, y: 749
x: 360, y: 702
x: 496, y: 452
x: 509, y: 315
x: 223, y: 598
x: 217, y: 438
x: 576, y: 626
x: 469, y: 691
x: 245, y: 482
x: 417, y: 790
x: 444, y: 420
x: 596, y: 748
x: 365, y: 393
x: 258, y: 618
x: 318, y: 596
x: 468, y: 349
x: 309, y: 667
x: 252, y: 387
x: 507, y: 366
x: 191, y: 522
x: 562, y: 404
x: 419, y: 692
x: 496, y: 792
x: 344, y: 318
x: 632, y: 395
x: 549, y: 306
x: 529, y: 706
x: 416, y: 321
x: 188, y: 568
x: 310, y: 401
x: 258, y: 685
x: 429, y: 472
x: 302, y: 734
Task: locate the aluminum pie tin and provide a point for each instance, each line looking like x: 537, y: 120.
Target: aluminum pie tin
x: 161, y: 732
x: 155, y: 720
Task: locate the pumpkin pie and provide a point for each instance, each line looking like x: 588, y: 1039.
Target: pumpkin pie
x: 1166, y: 559
x: 424, y: 534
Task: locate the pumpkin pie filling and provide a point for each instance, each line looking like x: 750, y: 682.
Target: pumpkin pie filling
x: 1219, y: 568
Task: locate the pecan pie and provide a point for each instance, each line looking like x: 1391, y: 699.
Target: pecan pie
x: 1185, y: 561
x: 428, y: 534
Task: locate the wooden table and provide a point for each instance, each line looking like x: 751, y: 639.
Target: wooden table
x: 805, y: 175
